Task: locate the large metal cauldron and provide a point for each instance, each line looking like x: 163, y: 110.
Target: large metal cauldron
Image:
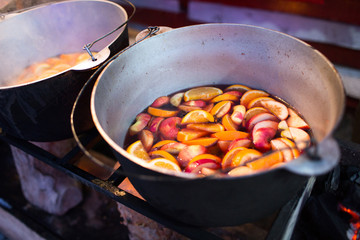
x: 214, y: 54
x: 40, y: 110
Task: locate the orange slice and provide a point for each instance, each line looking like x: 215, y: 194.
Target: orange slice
x: 248, y: 96
x: 228, y: 123
x: 197, y: 116
x: 203, y: 93
x: 208, y: 127
x: 221, y: 108
x: 252, y: 112
x: 230, y: 135
x: 163, y: 154
x: 227, y: 159
x: 206, y: 156
x: 158, y: 112
x: 238, y: 87
x: 257, y: 102
x: 244, y: 156
x: 138, y: 150
x: 225, y: 97
x: 189, y: 134
x: 266, y: 162
x: 162, y: 143
x: 165, y: 164
x: 205, y: 141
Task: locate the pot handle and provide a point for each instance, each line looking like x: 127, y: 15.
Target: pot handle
x: 316, y: 160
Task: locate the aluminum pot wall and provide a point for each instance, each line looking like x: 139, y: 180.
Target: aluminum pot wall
x: 40, y: 110
x: 213, y: 54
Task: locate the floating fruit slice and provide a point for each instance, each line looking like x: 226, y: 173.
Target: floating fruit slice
x: 204, y: 141
x: 206, y: 156
x: 241, y: 142
x: 300, y: 137
x: 158, y: 112
x: 208, y: 127
x: 278, y: 145
x: 154, y: 124
x: 238, y: 114
x: 235, y: 93
x: 197, y: 166
x: 252, y: 112
x: 266, y: 161
x: 227, y: 159
x: 165, y: 164
x: 224, y: 145
x: 162, y: 143
x: 262, y: 137
x: 294, y: 120
x: 221, y: 108
x: 228, y: 123
x: 225, y: 97
x: 292, y: 146
x: 208, y: 107
x: 176, y: 99
x: 138, y: 150
x: 163, y: 154
x: 277, y: 108
x: 244, y: 156
x: 189, y: 152
x: 169, y: 128
x: 186, y: 108
x: 238, y: 87
x: 173, y: 147
x: 147, y: 139
x: 197, y: 116
x: 257, y: 102
x: 248, y: 96
x: 195, y: 103
x: 258, y: 118
x: 141, y: 120
x: 203, y: 93
x: 160, y: 101
x: 186, y: 134
x: 230, y: 135
x: 241, y: 171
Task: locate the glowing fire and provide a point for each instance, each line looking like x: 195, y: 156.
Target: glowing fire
x: 354, y: 221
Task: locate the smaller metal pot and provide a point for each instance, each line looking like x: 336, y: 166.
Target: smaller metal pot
x: 40, y: 110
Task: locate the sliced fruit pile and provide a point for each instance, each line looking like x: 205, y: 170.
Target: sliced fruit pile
x: 237, y: 130
x: 51, y: 66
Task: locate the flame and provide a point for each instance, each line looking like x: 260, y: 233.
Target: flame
x: 354, y: 221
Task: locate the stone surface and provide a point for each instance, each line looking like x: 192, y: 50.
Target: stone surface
x: 42, y: 185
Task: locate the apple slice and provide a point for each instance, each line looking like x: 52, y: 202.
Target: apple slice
x: 299, y: 136
x: 241, y: 142
x: 224, y: 145
x: 294, y: 120
x: 189, y: 152
x: 198, y: 165
x: 266, y: 124
x: 154, y: 124
x: 262, y: 137
x: 241, y: 171
x: 169, y: 128
x: 147, y: 139
x: 276, y: 108
x: 160, y: 101
x: 176, y: 99
x: 221, y: 108
x: 195, y: 103
x: 278, y: 145
x: 238, y: 114
x: 142, y: 119
x: 258, y: 118
x: 173, y: 147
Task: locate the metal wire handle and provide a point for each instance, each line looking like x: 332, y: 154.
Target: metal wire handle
x: 89, y: 45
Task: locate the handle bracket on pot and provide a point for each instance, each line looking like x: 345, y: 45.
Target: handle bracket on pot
x: 316, y: 160
x: 89, y: 45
